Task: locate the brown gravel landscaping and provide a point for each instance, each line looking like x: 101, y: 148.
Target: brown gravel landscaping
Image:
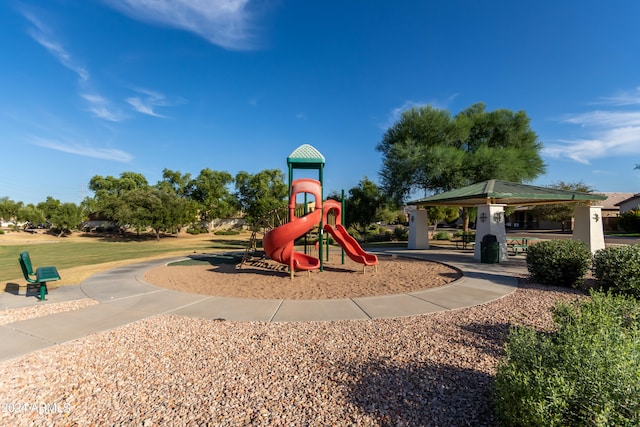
x: 430, y: 370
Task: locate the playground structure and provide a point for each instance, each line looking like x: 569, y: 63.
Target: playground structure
x: 279, y: 243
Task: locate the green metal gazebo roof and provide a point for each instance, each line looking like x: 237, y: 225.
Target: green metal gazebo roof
x: 504, y: 192
x: 306, y: 157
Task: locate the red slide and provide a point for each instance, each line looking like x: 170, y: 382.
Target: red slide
x: 278, y: 243
x: 350, y: 245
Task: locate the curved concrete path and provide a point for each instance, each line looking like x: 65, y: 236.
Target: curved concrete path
x: 125, y: 297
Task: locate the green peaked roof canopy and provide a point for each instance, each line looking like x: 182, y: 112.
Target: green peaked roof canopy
x: 306, y: 157
x: 504, y: 192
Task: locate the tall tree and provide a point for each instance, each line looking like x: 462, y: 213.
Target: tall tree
x: 110, y: 194
x: 210, y: 190
x: 175, y: 182
x: 363, y: 204
x: 31, y: 215
x: 428, y: 150
x: 66, y: 217
x: 10, y: 210
x: 49, y: 207
x: 261, y: 193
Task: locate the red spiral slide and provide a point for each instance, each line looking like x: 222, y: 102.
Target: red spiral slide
x: 278, y: 243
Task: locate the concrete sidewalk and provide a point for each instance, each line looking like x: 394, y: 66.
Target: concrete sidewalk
x: 124, y: 297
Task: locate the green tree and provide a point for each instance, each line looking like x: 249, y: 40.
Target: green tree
x: 66, y: 217
x: 10, y: 210
x: 210, y: 190
x: 49, y: 207
x: 109, y: 196
x: 630, y: 221
x: 261, y: 193
x: 437, y: 214
x: 363, y: 204
x: 172, y: 213
x: 109, y: 185
x: 31, y: 215
x: 429, y: 151
x: 561, y: 212
x: 136, y: 209
x: 175, y: 182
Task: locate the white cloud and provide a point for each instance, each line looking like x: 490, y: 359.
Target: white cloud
x: 85, y: 150
x: 150, y: 101
x: 623, y: 98
x: 42, y: 35
x: 225, y: 23
x: 98, y: 105
x: 607, y: 132
x: 101, y: 107
x: 606, y: 119
x: 140, y: 106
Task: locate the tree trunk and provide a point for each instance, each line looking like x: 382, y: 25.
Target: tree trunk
x: 465, y: 219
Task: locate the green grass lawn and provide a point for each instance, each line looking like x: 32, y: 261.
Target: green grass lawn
x: 83, y: 251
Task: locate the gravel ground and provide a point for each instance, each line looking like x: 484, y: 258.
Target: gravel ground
x: 432, y: 370
x: 16, y: 314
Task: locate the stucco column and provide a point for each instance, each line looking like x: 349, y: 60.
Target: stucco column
x: 418, y: 229
x: 490, y: 220
x: 588, y: 226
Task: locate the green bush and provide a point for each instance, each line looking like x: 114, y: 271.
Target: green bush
x: 618, y: 269
x: 227, y: 232
x: 383, y: 235
x: 442, y: 235
x: 558, y: 262
x: 630, y: 221
x: 400, y: 233
x: 586, y: 373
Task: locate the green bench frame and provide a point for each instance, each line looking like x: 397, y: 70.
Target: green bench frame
x: 40, y: 276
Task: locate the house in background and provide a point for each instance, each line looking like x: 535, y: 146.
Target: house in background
x: 629, y: 203
x: 523, y: 218
x: 611, y: 209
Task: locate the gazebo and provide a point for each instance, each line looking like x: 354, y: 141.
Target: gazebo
x: 491, y: 197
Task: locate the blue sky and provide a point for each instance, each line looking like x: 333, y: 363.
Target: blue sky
x: 103, y: 87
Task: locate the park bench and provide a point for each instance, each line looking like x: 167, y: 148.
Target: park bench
x: 464, y: 241
x: 40, y: 276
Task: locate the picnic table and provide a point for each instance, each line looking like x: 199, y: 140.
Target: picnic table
x: 519, y: 244
x: 464, y: 241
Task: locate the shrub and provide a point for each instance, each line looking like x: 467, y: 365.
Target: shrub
x: 442, y: 235
x: 383, y: 235
x: 618, y: 269
x: 400, y: 233
x: 558, y: 262
x: 587, y: 372
x: 227, y: 232
x: 630, y: 221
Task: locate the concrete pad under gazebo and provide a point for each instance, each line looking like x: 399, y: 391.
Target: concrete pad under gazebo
x: 491, y: 197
